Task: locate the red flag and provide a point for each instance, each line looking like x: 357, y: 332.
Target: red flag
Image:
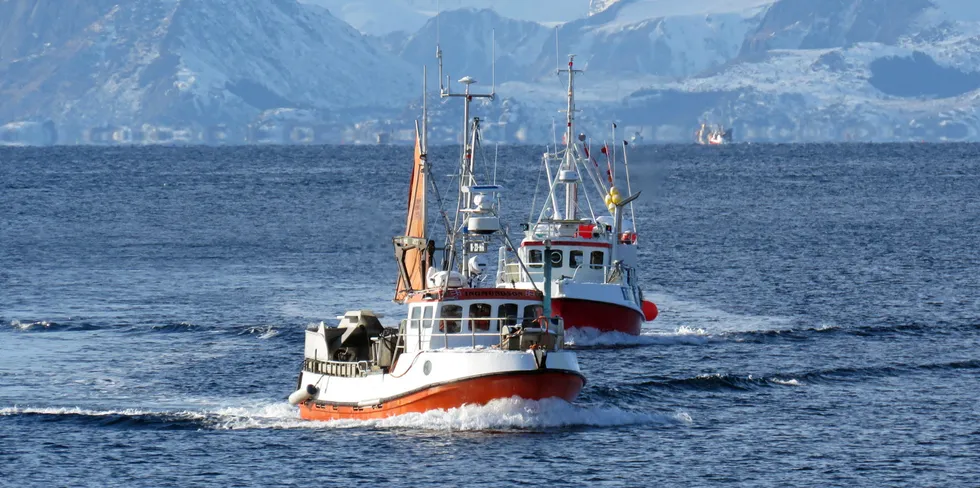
x: 587, y: 155
x: 609, y: 173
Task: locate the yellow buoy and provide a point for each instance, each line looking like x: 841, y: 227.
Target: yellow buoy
x: 614, y: 191
x: 616, y: 199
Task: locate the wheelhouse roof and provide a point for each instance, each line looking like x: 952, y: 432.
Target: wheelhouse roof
x: 455, y: 294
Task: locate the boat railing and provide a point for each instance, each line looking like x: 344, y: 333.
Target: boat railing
x: 554, y: 230
x: 591, y: 273
x: 481, y: 330
x: 337, y: 368
x: 584, y: 273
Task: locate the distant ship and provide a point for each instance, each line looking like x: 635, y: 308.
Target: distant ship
x: 713, y: 136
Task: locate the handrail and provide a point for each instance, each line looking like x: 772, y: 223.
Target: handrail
x: 518, y: 320
x: 588, y: 268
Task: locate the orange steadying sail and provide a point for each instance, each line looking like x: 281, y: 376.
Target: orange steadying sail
x: 412, y: 259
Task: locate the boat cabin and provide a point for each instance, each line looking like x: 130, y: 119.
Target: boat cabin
x: 580, y: 251
x: 467, y: 317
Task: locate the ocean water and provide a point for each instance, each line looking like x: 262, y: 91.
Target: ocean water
x: 820, y: 322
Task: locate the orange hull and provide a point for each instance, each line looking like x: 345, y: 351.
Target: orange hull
x: 531, y: 385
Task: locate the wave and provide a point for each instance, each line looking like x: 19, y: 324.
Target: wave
x: 719, y: 381
x: 40, y: 324
x: 47, y: 326
x: 173, y: 327
x: 676, y: 312
x: 876, y: 330
x: 808, y: 332
x: 588, y: 337
x: 261, y: 331
x: 718, y: 324
x: 789, y: 382
x: 684, y: 335
x: 498, y: 415
x: 749, y: 382
x: 968, y: 364
x: 264, y: 332
x: 725, y: 382
x: 124, y: 418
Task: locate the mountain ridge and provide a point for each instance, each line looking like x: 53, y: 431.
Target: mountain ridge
x: 777, y: 70
x: 193, y: 62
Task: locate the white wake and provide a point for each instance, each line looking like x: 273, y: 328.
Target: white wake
x: 503, y: 414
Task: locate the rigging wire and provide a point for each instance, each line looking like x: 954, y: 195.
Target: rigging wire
x: 534, y: 198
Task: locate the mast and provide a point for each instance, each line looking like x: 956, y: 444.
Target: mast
x: 469, y: 140
x: 568, y: 164
x: 470, y: 182
x: 424, y: 169
x: 425, y: 111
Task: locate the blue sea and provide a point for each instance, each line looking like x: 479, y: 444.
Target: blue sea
x: 820, y: 322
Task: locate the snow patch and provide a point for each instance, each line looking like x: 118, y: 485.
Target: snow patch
x: 957, y: 10
x: 651, y: 9
x: 383, y: 17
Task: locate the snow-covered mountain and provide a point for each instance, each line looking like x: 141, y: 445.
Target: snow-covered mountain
x: 465, y: 37
x: 776, y: 70
x: 383, y: 17
x: 863, y: 70
x: 187, y: 62
x: 661, y: 37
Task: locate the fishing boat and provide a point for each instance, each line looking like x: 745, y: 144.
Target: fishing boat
x: 462, y: 342
x: 594, y: 247
x: 713, y: 136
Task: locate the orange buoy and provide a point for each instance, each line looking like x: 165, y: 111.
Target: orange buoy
x: 650, y: 311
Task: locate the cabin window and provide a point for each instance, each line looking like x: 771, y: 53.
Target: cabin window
x: 596, y: 259
x: 448, y: 313
x: 557, y: 258
x: 416, y: 314
x: 531, y: 313
x: 575, y: 259
x: 427, y: 317
x: 480, y: 311
x: 535, y: 258
x: 507, y: 313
